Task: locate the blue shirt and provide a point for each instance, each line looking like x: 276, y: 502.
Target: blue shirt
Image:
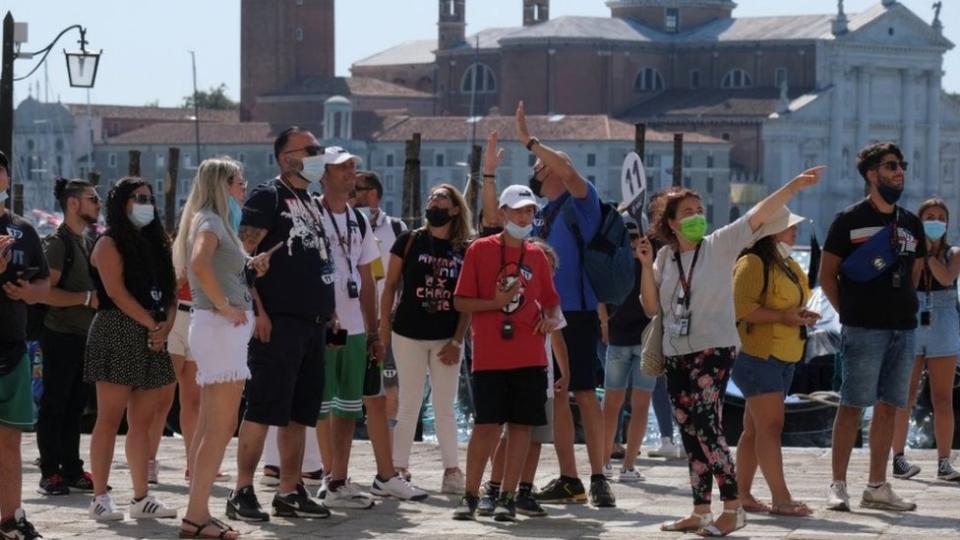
x: 576, y: 293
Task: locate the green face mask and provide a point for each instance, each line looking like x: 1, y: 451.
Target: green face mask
x: 694, y: 227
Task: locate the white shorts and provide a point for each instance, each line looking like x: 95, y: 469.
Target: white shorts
x: 219, y: 348
x: 177, y: 340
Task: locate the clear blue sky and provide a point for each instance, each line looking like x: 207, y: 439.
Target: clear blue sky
x: 145, y: 42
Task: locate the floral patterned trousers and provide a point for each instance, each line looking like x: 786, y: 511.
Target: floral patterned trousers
x: 696, y: 383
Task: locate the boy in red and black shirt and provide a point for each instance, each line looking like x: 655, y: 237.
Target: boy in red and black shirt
x: 507, y: 286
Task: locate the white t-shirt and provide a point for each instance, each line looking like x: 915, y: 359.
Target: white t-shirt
x: 549, y: 345
x: 383, y: 230
x: 712, y: 319
x: 362, y: 251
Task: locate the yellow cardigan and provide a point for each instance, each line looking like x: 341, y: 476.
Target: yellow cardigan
x: 769, y: 339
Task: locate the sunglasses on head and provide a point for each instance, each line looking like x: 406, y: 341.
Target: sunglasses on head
x: 311, y: 150
x: 894, y: 165
x: 140, y: 198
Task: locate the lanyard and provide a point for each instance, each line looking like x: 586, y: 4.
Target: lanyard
x: 344, y: 247
x: 687, y: 280
x: 307, y: 203
x: 503, y: 254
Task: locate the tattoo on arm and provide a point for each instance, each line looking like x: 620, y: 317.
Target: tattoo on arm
x: 251, y: 237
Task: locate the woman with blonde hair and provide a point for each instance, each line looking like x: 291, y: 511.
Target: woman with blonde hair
x: 426, y: 331
x: 208, y: 248
x: 937, y: 346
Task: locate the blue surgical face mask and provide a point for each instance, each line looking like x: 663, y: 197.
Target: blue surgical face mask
x: 236, y: 212
x: 518, y: 232
x: 313, y: 168
x: 142, y: 215
x: 934, y: 229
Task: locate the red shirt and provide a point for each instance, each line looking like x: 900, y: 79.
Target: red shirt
x: 484, y: 265
x: 183, y: 293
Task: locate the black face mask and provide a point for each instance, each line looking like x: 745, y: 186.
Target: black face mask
x: 535, y: 185
x: 438, y: 217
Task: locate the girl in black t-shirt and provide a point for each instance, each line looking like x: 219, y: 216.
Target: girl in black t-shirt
x: 937, y: 344
x: 425, y: 330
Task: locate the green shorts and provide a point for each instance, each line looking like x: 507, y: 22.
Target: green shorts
x: 17, y: 410
x: 344, y: 369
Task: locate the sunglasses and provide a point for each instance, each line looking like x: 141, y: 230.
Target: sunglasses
x: 95, y: 199
x: 241, y: 183
x: 893, y: 166
x: 359, y: 189
x: 140, y: 198
x: 438, y: 196
x: 311, y: 150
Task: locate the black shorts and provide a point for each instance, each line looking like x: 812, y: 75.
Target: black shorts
x: 286, y: 374
x: 582, y: 334
x: 512, y: 396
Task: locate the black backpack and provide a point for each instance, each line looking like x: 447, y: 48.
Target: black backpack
x: 36, y: 313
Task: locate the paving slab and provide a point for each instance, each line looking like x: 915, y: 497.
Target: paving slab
x: 641, y: 507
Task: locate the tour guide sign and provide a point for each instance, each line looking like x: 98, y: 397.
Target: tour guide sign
x: 633, y: 187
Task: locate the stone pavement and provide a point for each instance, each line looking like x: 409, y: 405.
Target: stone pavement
x: 640, y: 507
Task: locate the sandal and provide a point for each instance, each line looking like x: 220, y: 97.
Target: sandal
x: 198, y: 529
x: 713, y: 530
x: 673, y: 526
x: 754, y: 506
x: 792, y: 508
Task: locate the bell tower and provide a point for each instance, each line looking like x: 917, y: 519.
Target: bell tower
x: 452, y: 23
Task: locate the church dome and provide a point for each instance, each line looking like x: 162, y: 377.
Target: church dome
x: 672, y: 16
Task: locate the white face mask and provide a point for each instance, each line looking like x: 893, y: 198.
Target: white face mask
x: 141, y: 215
x: 3, y: 197
x: 784, y: 249
x: 312, y: 168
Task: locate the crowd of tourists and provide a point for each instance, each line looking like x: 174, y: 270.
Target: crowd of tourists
x: 303, y: 305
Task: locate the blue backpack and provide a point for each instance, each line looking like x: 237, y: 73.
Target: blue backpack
x: 608, y: 257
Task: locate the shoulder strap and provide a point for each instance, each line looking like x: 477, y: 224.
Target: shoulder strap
x: 397, y: 226
x: 68, y: 253
x: 361, y: 223
x: 406, y: 249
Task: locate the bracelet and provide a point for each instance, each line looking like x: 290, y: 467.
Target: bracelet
x: 86, y: 301
x: 531, y: 142
x: 224, y: 306
x: 456, y: 343
x: 489, y: 176
x: 373, y: 338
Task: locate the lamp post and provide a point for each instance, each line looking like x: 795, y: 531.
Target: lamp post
x: 81, y: 69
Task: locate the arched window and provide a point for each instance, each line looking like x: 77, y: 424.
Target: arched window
x: 737, y: 78
x: 478, y: 78
x: 648, y: 80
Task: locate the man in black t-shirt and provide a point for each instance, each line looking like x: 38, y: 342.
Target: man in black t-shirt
x: 871, y: 264
x: 294, y: 303
x: 24, y: 279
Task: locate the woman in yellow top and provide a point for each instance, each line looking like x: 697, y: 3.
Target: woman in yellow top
x: 772, y: 320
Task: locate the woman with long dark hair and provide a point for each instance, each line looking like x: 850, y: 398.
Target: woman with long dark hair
x: 427, y: 332
x: 126, y: 348
x: 770, y: 294
x: 690, y: 284
x: 937, y: 344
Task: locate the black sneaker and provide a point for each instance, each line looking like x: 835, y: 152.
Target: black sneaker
x: 243, y: 505
x: 528, y: 505
x: 600, y: 494
x: 563, y: 491
x: 506, y: 508
x: 488, y: 503
x: 53, y: 485
x: 467, y: 508
x: 298, y: 504
x: 18, y: 528
x: 903, y: 469
x: 82, y: 483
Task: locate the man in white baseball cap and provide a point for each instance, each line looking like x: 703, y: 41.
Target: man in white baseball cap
x: 338, y: 155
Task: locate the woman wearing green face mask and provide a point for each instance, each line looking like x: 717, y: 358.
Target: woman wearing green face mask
x: 691, y: 284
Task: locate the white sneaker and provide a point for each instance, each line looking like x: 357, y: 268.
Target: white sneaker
x: 453, y: 483
x: 883, y: 498
x: 153, y: 471
x: 668, y: 450
x: 102, y: 509
x: 150, y: 508
x: 348, y: 497
x: 630, y: 475
x: 608, y: 471
x: 397, y: 487
x: 837, y: 497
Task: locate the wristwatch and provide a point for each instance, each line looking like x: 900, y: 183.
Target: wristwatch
x: 531, y: 142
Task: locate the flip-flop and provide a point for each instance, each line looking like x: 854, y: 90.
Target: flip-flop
x: 792, y: 508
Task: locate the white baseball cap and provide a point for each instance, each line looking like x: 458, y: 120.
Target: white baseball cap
x: 517, y: 196
x: 335, y: 155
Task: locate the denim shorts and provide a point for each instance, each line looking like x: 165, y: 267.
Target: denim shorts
x: 755, y: 376
x: 876, y: 366
x: 622, y: 369
x: 940, y: 338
